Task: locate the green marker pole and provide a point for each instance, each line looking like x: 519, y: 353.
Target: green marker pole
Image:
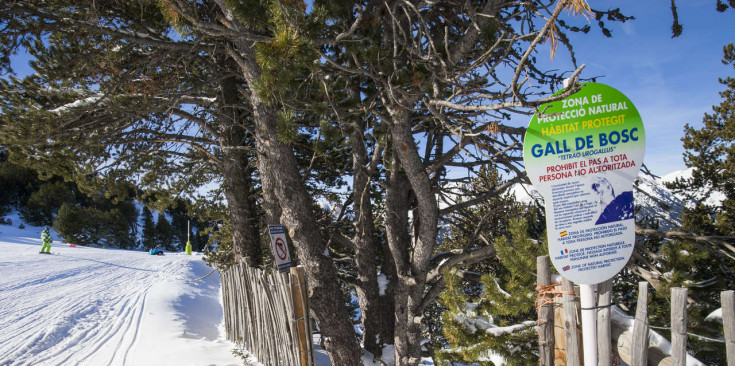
x: 188, y: 243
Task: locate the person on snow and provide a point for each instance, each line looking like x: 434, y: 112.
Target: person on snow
x: 46, y: 238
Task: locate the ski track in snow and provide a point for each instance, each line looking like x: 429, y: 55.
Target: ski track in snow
x: 86, y: 306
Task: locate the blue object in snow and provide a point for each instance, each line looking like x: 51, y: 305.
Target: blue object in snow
x: 155, y: 251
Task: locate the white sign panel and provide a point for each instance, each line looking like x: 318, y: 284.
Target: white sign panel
x: 280, y: 247
x: 583, y: 158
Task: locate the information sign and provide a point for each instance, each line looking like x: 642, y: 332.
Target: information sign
x: 583, y: 157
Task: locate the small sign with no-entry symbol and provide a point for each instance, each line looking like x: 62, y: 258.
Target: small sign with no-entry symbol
x: 280, y: 248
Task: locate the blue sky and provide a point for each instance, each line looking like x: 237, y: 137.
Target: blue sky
x: 672, y: 82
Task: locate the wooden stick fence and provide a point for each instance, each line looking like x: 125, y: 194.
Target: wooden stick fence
x: 267, y: 314
x: 627, y: 338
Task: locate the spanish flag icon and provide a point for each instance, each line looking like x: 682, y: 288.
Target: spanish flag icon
x: 563, y: 234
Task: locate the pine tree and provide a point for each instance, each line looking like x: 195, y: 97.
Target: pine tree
x: 499, y: 318
x: 704, y: 268
x: 83, y: 225
x: 18, y: 183
x: 220, y: 239
x: 253, y: 58
x: 180, y: 221
x: 164, y: 234
x: 149, y: 229
x: 475, y: 303
x: 710, y: 150
x: 43, y: 204
x: 126, y: 229
x: 159, y: 109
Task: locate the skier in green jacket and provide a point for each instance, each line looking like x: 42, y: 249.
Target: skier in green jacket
x: 46, y: 237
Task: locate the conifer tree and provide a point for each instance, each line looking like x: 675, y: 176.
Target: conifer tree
x: 431, y: 84
x: 710, y: 150
x: 44, y: 203
x: 18, y: 183
x: 705, y: 267
x: 165, y: 234
x: 179, y: 222
x: 84, y: 225
x: 498, y: 318
x: 122, y: 98
x: 219, y: 238
x: 149, y: 229
x: 488, y: 224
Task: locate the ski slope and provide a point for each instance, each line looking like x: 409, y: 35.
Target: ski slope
x: 93, y: 306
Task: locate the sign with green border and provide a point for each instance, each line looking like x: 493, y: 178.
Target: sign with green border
x: 583, y: 157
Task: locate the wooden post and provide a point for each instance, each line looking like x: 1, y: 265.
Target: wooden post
x: 728, y: 322
x: 604, y: 338
x: 560, y: 343
x: 639, y: 355
x: 301, y: 315
x: 679, y: 326
x: 560, y: 337
x: 545, y: 313
x: 570, y: 322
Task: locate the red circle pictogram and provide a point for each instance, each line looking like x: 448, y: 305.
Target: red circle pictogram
x: 281, y: 250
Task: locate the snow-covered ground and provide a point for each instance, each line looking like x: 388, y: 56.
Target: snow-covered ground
x: 96, y: 306
x: 93, y: 306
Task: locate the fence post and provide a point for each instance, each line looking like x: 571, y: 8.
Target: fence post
x: 604, y: 338
x: 545, y: 312
x: 639, y: 345
x: 301, y: 315
x: 678, y: 326
x: 560, y: 345
x: 728, y: 322
x: 570, y: 322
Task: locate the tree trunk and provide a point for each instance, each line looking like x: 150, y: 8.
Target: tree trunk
x: 238, y: 188
x: 297, y: 215
x: 397, y: 205
x: 236, y: 178
x: 367, y: 288
x: 426, y: 229
x: 387, y: 301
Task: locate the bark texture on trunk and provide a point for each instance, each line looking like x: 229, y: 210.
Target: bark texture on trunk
x: 298, y: 216
x: 397, y: 205
x: 367, y: 289
x: 237, y: 180
x: 425, y: 228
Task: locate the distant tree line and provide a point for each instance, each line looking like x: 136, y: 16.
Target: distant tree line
x: 110, y: 218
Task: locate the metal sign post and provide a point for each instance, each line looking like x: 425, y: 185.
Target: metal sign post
x: 588, y: 300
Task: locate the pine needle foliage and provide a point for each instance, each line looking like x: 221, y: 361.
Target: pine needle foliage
x: 287, y: 60
x: 220, y: 233
x: 683, y: 264
x: 710, y: 150
x: 500, y: 320
x: 252, y: 13
x: 149, y: 229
